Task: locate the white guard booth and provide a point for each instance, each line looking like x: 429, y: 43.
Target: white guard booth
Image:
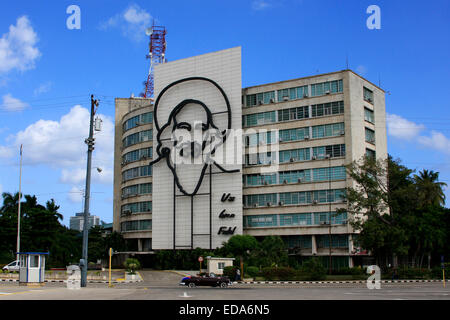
x: 32, y: 267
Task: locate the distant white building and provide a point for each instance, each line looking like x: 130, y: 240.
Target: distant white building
x: 77, y: 222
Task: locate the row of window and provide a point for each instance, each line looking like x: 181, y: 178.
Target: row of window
x: 295, y: 134
x: 141, y: 136
x: 300, y: 197
x: 294, y: 155
x: 135, y: 155
x: 136, y: 207
x: 296, y: 113
x: 295, y: 176
x: 368, y: 95
x: 143, y: 188
x: 370, y: 135
x: 295, y: 219
x: 301, y: 92
x: 136, y: 225
x: 144, y: 171
x: 322, y: 241
x: 138, y: 120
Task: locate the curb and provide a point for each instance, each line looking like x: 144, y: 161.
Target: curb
x: 65, y: 281
x: 334, y: 282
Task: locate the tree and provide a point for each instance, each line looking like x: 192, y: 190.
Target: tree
x: 429, y: 189
x: 240, y: 246
x: 272, y: 251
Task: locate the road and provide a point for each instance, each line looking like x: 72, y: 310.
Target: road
x: 160, y: 285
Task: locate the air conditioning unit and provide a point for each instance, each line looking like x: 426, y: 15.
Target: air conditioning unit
x: 313, y: 157
x: 260, y: 102
x: 285, y: 98
x: 299, y: 180
x: 143, y: 157
x: 280, y: 139
x: 307, y: 137
x: 323, y: 222
x: 139, y: 124
x: 281, y: 203
x: 284, y: 181
x: 269, y: 204
x: 327, y: 92
x: 369, y: 99
x: 126, y: 212
x: 272, y: 100
x: 266, y: 183
x: 314, y: 202
x: 342, y: 132
x: 124, y: 196
x: 305, y: 95
x: 291, y: 160
x: 255, y: 205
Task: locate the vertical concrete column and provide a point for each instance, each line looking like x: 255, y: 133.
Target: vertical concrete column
x: 350, y: 250
x: 314, y: 244
x: 139, y: 245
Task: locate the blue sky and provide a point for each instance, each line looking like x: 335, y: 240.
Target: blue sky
x: 47, y: 73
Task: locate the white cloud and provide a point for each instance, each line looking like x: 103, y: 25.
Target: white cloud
x: 18, y: 47
x: 60, y: 144
x: 12, y: 104
x: 436, y: 141
x: 43, y: 88
x: 6, y: 152
x: 132, y: 21
x: 1, y: 189
x: 75, y: 195
x: 401, y: 128
x: 259, y: 5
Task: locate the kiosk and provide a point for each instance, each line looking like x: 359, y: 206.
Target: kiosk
x: 32, y: 268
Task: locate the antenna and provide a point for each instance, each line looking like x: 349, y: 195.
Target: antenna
x: 156, y: 54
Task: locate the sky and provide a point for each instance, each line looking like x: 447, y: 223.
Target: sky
x: 48, y: 72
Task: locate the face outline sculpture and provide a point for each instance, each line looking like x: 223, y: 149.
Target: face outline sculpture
x: 193, y: 141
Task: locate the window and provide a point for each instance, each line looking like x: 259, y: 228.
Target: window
x: 296, y: 219
x: 368, y: 95
x: 260, y: 138
x: 139, y: 154
x: 292, y: 93
x: 137, y: 137
x: 258, y: 179
x: 324, y: 174
x: 325, y: 109
x: 260, y: 199
x: 136, y: 173
x: 138, y: 120
x: 337, y: 241
x: 260, y: 158
x: 302, y: 242
x: 295, y: 176
x: 368, y: 115
x: 34, y: 261
x: 220, y: 265
x: 337, y: 150
x: 296, y: 134
x: 370, y: 153
x: 137, y: 207
x: 259, y: 118
x: 320, y: 89
x: 259, y: 98
x: 328, y: 130
x: 324, y: 217
x: 370, y: 135
x: 293, y: 113
x: 269, y: 220
x: 136, y: 225
x: 294, y: 155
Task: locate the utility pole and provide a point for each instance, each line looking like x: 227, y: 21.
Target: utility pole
x: 18, y: 210
x: 90, y: 142
x: 329, y: 211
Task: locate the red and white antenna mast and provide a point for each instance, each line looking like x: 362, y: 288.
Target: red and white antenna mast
x: 156, y: 54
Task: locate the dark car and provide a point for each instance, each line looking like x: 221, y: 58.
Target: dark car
x: 211, y: 280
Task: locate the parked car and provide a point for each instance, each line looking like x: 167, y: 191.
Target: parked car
x: 12, y: 266
x: 211, y: 280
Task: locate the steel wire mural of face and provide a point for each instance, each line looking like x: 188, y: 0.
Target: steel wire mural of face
x: 189, y: 138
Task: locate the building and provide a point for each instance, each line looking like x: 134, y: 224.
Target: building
x: 77, y: 222
x: 297, y: 137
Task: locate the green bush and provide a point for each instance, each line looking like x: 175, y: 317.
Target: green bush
x: 313, y: 270
x: 131, y: 265
x: 436, y: 272
x: 350, y: 271
x: 252, y: 271
x: 230, y: 272
x: 282, y: 273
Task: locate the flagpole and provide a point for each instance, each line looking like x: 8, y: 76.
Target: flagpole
x: 18, y: 212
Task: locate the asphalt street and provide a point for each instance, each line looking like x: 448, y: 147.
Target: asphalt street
x: 160, y: 285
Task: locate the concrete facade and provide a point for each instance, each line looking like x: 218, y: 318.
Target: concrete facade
x: 297, y: 210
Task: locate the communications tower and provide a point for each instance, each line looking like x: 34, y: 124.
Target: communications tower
x: 156, y: 54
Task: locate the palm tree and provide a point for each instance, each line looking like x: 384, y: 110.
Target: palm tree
x: 430, y: 190
x: 10, y: 201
